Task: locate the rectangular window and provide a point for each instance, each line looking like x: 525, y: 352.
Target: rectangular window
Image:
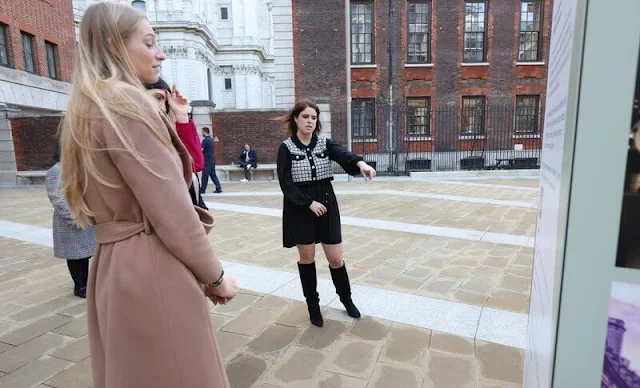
x: 473, y: 115
x: 530, y: 26
x: 224, y: 13
x: 51, y: 59
x: 27, y: 49
x: 419, y: 116
x: 4, y: 48
x: 362, y: 51
x: 227, y: 84
x: 363, y: 119
x: 527, y: 114
x: 475, y: 38
x: 419, y: 32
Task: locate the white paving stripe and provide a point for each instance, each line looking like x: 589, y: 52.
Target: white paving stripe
x: 490, y: 185
x: 488, y: 201
x: 430, y: 230
x: 496, y: 326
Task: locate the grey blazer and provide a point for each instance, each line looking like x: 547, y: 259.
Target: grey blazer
x: 69, y: 241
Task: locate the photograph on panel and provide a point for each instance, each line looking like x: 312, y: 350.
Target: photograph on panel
x: 622, y: 352
x: 629, y: 238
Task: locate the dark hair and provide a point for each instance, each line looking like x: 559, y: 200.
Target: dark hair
x: 162, y: 86
x: 291, y: 128
x: 56, y: 153
x: 206, y: 130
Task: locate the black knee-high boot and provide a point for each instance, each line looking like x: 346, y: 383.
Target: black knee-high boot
x: 309, y: 282
x: 343, y: 289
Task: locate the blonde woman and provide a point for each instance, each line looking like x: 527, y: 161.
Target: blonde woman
x: 122, y: 164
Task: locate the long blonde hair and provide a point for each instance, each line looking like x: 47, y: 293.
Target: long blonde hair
x: 103, y: 78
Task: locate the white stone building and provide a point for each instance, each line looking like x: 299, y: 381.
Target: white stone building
x: 236, y: 53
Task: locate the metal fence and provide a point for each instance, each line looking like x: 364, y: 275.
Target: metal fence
x: 399, y: 139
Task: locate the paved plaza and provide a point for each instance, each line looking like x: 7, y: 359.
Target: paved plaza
x: 441, y: 271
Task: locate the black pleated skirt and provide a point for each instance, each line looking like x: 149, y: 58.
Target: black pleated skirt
x: 301, y: 226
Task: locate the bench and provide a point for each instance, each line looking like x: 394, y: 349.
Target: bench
x: 517, y: 162
x: 418, y: 165
x: 263, y: 171
x: 30, y: 177
x: 472, y: 163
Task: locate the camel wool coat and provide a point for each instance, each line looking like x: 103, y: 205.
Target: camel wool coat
x: 148, y: 317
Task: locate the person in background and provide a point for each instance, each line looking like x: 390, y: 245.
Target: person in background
x: 176, y: 106
x: 70, y: 242
x: 247, y: 160
x: 310, y: 212
x: 209, y: 171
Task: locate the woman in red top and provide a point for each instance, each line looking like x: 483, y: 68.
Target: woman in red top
x: 172, y: 102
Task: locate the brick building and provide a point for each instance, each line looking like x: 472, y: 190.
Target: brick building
x: 37, y: 44
x: 430, y: 80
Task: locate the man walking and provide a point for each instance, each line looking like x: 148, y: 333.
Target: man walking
x: 209, y: 170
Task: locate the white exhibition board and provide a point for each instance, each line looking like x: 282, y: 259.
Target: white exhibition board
x: 576, y: 284
x: 555, y: 170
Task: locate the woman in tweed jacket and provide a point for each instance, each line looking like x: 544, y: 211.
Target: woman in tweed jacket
x: 69, y: 241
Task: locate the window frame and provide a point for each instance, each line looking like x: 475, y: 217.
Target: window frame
x: 411, y: 117
x: 464, y: 113
x: 26, y: 37
x: 428, y: 32
x: 372, y: 46
x: 54, y: 56
x: 537, y: 33
x: 5, y: 46
x: 359, y: 129
x: 518, y: 116
x: 466, y: 33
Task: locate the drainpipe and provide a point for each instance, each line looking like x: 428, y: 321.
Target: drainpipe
x: 390, y: 77
x: 347, y: 29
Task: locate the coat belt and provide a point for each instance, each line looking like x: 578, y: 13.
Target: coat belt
x: 114, y: 231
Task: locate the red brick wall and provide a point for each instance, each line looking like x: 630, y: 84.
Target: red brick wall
x: 50, y: 20
x: 34, y: 140
x: 319, y: 55
x: 319, y: 49
x: 235, y: 129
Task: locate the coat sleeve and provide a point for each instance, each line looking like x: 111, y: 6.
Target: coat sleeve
x: 178, y: 226
x: 289, y: 189
x: 345, y: 158
x: 56, y: 196
x: 188, y: 134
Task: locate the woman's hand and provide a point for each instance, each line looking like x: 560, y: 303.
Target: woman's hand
x: 178, y: 104
x: 223, y: 293
x: 317, y: 208
x: 367, y: 171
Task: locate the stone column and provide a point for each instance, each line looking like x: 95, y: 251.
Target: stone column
x: 8, y: 166
x: 201, y: 113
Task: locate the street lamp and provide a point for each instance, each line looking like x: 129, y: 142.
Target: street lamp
x: 140, y: 4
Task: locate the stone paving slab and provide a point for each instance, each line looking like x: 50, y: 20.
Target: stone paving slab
x: 43, y: 326
x: 345, y: 353
x: 520, y: 191
x: 455, y: 214
x: 478, y: 273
